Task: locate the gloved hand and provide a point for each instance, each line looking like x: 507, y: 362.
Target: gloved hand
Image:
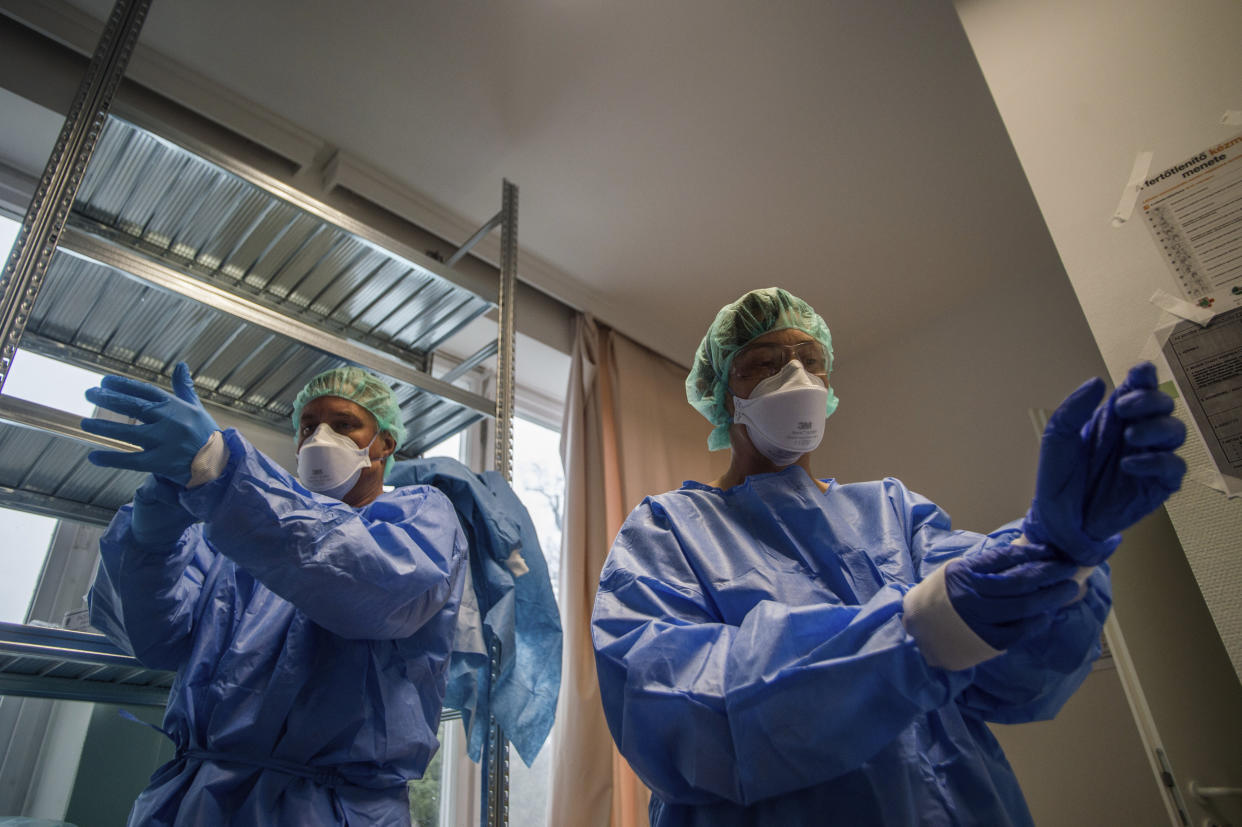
x: 158, y: 517
x: 1101, y: 473
x: 175, y: 426
x: 1008, y: 593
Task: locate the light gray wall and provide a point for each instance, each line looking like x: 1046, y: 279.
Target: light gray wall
x: 945, y: 407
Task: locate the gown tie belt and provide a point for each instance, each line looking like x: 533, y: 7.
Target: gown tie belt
x: 325, y: 776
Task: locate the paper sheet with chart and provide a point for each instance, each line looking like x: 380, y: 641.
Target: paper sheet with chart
x: 1194, y: 211
x: 1207, y: 367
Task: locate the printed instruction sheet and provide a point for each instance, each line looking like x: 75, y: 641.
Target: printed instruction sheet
x: 1207, y: 367
x: 1194, y: 211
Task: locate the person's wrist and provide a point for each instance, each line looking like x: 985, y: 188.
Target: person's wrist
x: 944, y: 637
x: 210, y: 461
x: 160, y: 530
x: 1074, y: 545
x: 1033, y: 529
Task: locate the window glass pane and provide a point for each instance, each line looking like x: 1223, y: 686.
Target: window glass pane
x: 539, y: 482
x: 26, y: 539
x: 528, y: 788
x: 450, y: 448
x: 425, y: 792
x: 57, y: 385
x: 8, y: 234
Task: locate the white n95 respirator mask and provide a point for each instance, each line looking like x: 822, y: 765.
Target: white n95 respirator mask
x: 330, y: 463
x: 785, y: 413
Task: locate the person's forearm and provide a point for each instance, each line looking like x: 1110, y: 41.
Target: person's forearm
x: 378, y: 573
x: 146, y: 601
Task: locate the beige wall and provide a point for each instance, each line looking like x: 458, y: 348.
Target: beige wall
x: 1181, y: 662
x: 945, y: 407
x: 1087, y: 766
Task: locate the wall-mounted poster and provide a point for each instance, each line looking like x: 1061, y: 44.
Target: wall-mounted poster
x: 1194, y: 211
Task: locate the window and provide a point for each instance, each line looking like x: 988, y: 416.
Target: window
x: 426, y: 805
x: 27, y: 537
x: 57, y: 385
x: 450, y: 448
x: 8, y: 234
x: 539, y: 481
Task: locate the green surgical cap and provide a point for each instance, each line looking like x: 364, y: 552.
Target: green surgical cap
x: 356, y: 385
x: 737, y: 325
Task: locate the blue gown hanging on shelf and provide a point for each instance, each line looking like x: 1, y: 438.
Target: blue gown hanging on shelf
x: 513, y: 602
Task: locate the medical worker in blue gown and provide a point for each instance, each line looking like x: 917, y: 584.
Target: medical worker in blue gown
x: 779, y: 650
x: 309, y: 620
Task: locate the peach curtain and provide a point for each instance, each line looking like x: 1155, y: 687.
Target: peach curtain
x: 627, y: 433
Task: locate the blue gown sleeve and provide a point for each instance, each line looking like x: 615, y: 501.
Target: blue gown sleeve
x: 794, y: 696
x: 377, y: 573
x: 1032, y: 680
x: 145, y: 598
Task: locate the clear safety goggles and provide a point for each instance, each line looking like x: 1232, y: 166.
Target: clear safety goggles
x: 758, y: 362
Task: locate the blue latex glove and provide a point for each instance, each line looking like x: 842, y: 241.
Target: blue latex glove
x: 1102, y: 472
x: 175, y: 426
x: 158, y: 519
x: 1007, y: 593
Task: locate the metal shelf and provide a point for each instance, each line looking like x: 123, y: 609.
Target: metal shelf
x: 46, y: 472
x: 205, y: 219
x: 169, y: 257
x: 108, y: 308
x: 40, y: 662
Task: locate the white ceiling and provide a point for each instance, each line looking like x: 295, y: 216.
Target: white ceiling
x: 670, y: 155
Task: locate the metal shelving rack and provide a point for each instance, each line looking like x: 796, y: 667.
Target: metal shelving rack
x: 38, y: 662
x: 136, y: 253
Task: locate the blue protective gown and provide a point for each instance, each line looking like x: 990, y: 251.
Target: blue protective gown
x: 754, y: 668
x: 310, y: 639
